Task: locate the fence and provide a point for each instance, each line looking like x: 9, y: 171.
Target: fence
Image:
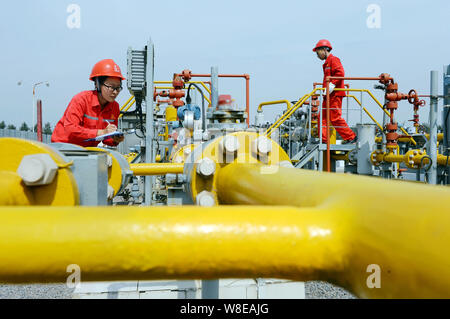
x: 25, y: 135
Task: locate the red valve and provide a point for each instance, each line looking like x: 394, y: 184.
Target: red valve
x: 177, y: 82
x: 186, y: 75
x: 176, y: 94
x: 385, y: 78
x: 392, y: 105
x: 412, y: 97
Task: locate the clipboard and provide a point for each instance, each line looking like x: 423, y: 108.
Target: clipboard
x: 104, y: 136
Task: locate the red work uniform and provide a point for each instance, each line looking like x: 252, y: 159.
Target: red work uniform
x: 83, y: 118
x: 333, y: 67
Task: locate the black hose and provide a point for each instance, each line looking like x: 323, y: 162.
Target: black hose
x: 203, y: 103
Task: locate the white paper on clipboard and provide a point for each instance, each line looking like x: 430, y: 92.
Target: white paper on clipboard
x: 104, y: 136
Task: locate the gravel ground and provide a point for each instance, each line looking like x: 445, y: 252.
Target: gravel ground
x: 313, y: 290
x: 325, y: 290
x: 35, y: 291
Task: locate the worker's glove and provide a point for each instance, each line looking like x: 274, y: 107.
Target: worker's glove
x: 331, y: 87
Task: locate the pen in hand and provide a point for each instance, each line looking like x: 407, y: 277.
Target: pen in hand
x: 110, y: 128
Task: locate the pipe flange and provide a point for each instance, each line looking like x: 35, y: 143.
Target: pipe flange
x: 61, y: 190
x: 242, y: 145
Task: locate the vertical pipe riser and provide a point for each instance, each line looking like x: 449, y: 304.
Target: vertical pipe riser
x: 149, y: 153
x: 432, y: 144
x: 446, y: 116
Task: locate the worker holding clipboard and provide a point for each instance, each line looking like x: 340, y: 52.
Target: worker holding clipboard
x: 92, y: 116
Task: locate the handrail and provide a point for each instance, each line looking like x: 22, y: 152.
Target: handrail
x: 296, y: 106
x: 126, y: 106
x: 189, y: 82
x: 288, y: 104
x: 367, y: 112
x: 126, y: 103
x: 169, y: 88
x: 379, y: 104
x: 289, y: 113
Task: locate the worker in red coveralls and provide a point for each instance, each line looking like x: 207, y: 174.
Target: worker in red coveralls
x: 333, y: 67
x: 93, y: 113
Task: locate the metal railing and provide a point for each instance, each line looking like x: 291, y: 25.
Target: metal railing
x: 46, y: 138
x: 300, y: 102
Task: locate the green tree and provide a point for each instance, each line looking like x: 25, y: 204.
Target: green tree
x: 2, y: 125
x: 11, y: 127
x: 24, y: 127
x: 47, y: 129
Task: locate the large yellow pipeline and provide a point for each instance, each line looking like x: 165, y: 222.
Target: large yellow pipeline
x: 405, y: 238
x: 334, y: 234
x: 13, y: 191
x: 124, y: 243
x: 142, y: 169
x: 63, y: 190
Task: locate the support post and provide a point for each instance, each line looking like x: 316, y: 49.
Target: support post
x: 39, y: 120
x: 149, y: 153
x: 432, y: 143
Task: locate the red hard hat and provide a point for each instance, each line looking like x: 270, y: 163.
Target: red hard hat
x: 106, y: 67
x: 323, y: 43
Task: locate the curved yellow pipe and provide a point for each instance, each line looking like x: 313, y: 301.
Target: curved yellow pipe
x: 288, y: 104
x: 13, y: 191
x: 405, y: 238
x: 125, y: 243
x: 62, y: 191
x: 336, y: 235
x: 143, y: 169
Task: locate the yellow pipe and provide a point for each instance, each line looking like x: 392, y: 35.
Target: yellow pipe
x: 130, y: 243
x: 412, y: 159
x: 335, y: 234
x: 13, y: 191
x: 408, y: 139
x: 404, y: 238
x: 143, y: 169
x: 286, y: 115
x: 62, y: 191
x: 440, y: 136
x: 288, y: 104
x: 340, y: 157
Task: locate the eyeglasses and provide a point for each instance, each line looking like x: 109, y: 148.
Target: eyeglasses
x: 112, y: 88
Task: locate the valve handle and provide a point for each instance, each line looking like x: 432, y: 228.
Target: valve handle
x: 412, y: 96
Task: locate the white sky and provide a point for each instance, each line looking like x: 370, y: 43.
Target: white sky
x: 270, y: 40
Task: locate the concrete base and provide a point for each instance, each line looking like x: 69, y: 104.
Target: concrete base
x: 191, y: 289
